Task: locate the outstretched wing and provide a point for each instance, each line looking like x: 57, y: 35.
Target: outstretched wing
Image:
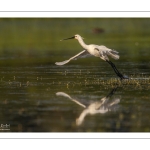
x: 82, y: 54
x: 66, y: 95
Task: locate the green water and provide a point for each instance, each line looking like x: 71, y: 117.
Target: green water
x: 30, y: 80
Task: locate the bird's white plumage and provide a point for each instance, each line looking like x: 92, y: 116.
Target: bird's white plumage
x: 98, y: 51
x: 102, y: 106
x: 82, y: 54
x: 68, y: 96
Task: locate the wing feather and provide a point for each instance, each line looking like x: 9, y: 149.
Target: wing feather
x: 82, y: 54
x: 66, y: 95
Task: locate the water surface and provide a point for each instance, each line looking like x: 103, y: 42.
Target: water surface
x: 82, y: 96
x: 29, y: 102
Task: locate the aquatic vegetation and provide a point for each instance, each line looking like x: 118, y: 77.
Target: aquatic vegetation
x: 29, y: 77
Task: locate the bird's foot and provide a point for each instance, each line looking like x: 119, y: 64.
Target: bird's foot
x: 122, y: 77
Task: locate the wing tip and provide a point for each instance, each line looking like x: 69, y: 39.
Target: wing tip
x: 58, y: 63
x: 62, y: 63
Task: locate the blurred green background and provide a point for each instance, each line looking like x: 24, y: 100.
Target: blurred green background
x: 40, y: 37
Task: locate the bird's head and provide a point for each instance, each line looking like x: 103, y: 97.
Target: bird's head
x: 77, y: 36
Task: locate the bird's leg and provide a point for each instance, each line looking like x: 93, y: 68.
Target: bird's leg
x: 116, y: 70
x: 112, y: 92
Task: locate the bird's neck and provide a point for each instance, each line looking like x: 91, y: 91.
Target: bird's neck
x: 82, y: 43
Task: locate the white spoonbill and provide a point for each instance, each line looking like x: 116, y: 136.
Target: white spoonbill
x: 101, y: 106
x: 95, y: 50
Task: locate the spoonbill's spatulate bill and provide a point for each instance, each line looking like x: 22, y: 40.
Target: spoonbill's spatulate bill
x: 95, y: 50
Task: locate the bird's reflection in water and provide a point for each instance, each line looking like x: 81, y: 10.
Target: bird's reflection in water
x: 102, y: 106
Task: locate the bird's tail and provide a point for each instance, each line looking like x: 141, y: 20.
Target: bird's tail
x: 113, y: 54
